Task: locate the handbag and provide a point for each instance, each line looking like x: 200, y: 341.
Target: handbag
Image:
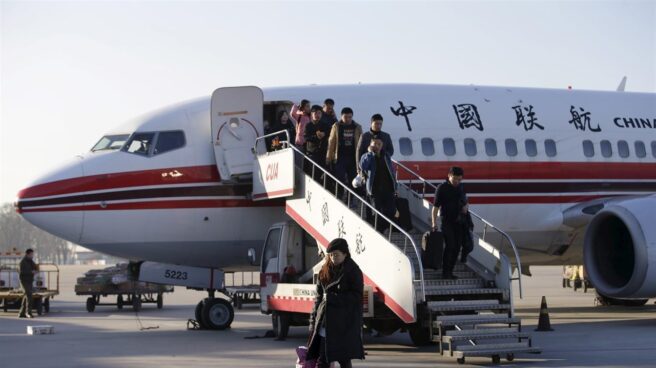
x: 301, y: 361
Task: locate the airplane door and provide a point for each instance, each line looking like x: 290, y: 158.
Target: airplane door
x: 237, y: 114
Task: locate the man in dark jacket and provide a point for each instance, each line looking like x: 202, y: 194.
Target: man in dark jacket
x: 27, y: 270
x: 329, y: 117
x: 336, y: 319
x: 316, y: 139
x: 375, y: 132
x: 381, y: 186
x: 448, y: 204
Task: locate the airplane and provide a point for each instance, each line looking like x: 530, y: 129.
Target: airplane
x: 569, y: 174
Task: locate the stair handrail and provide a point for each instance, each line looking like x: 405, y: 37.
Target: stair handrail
x: 376, y: 213
x: 484, y: 221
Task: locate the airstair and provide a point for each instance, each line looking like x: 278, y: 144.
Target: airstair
x: 472, y: 316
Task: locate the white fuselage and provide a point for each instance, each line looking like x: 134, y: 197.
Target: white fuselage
x: 174, y: 208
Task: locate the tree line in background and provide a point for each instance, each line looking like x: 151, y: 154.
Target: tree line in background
x: 18, y: 234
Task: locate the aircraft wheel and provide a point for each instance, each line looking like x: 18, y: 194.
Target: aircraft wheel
x: 91, y: 304
x: 218, y: 313
x: 280, y: 322
x: 198, y: 313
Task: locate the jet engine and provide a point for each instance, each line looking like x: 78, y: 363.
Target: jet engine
x: 620, y: 249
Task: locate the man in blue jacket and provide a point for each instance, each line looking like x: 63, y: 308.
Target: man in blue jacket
x: 377, y: 168
x: 375, y: 132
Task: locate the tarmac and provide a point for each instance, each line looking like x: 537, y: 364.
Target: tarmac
x: 583, y: 336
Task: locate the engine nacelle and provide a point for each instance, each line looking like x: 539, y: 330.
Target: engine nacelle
x: 620, y: 248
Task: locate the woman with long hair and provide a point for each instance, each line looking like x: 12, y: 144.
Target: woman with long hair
x: 283, y: 122
x: 336, y: 320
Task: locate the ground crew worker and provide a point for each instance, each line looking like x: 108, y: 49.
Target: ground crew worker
x: 26, y: 272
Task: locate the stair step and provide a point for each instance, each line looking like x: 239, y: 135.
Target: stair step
x: 482, y: 330
x: 501, y: 352
x: 437, y: 275
x: 467, y: 305
x: 474, y: 319
x: 494, y: 347
x: 470, y: 281
x: 466, y: 291
x: 480, y: 335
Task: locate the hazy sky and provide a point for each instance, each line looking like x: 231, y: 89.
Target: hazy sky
x: 72, y: 70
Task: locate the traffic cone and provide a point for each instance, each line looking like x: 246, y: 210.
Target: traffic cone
x: 543, y: 321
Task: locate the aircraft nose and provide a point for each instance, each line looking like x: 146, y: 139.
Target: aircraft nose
x: 51, y: 202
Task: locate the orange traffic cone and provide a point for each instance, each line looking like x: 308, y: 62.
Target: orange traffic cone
x: 543, y: 321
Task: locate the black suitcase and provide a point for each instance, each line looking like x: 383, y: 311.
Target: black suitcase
x: 404, y: 220
x: 432, y: 245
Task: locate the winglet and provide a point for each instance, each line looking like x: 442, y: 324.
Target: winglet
x: 622, y: 85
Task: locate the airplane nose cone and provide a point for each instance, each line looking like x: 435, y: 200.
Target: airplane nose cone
x: 49, y: 202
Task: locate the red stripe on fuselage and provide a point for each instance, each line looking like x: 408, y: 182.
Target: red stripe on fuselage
x: 158, y: 205
x: 438, y: 170
x: 164, y: 176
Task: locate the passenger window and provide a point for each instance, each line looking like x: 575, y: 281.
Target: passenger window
x: 511, y: 147
x: 588, y: 148
x: 449, y: 146
x: 139, y: 143
x: 470, y: 147
x: 168, y: 141
x: 531, y: 147
x: 623, y: 149
x: 491, y: 147
x: 606, y: 149
x: 427, y: 147
x: 640, y: 150
x: 405, y: 145
x: 550, y: 148
x: 653, y: 148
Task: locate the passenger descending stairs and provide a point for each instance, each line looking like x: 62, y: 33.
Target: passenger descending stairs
x: 470, y: 316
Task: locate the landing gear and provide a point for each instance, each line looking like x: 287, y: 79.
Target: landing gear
x: 198, y: 313
x: 217, y: 313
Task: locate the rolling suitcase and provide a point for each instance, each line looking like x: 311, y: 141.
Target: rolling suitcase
x: 404, y: 220
x: 432, y: 245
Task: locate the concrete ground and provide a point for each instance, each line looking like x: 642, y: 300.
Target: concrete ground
x: 584, y: 336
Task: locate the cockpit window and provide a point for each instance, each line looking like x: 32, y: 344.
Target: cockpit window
x: 154, y: 143
x: 168, y: 141
x: 140, y: 143
x: 110, y: 142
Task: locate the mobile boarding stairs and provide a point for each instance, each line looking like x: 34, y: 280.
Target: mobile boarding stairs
x: 472, y: 316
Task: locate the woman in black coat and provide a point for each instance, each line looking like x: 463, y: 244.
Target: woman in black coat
x: 336, y: 320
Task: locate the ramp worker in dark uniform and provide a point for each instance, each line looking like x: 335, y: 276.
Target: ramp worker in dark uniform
x: 26, y: 273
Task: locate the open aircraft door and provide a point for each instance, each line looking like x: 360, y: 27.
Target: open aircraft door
x: 237, y: 114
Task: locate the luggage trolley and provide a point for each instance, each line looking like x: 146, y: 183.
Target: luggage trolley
x: 114, y: 281
x: 45, y: 287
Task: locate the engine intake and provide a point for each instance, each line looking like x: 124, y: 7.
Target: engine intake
x: 620, y: 244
